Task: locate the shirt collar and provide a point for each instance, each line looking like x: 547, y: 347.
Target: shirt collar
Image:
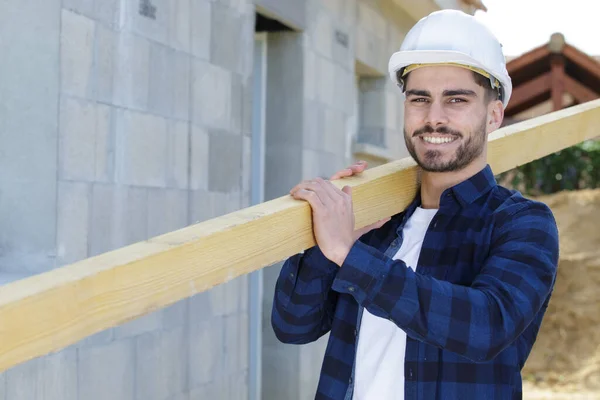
x: 463, y: 193
x: 466, y: 192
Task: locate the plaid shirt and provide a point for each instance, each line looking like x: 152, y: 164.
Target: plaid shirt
x: 471, y: 311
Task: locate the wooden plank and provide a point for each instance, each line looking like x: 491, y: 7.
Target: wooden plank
x: 524, y: 96
x: 580, y: 92
x: 50, y: 311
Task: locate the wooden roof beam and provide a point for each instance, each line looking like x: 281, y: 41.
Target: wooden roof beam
x: 580, y: 92
x: 583, y: 60
x: 525, y: 93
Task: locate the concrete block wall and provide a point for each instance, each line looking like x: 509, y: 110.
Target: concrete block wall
x: 116, y: 127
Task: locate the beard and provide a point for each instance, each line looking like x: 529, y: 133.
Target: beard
x: 432, y: 161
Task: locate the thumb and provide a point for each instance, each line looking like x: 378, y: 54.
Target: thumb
x: 347, y: 190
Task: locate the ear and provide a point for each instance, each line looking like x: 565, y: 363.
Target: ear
x: 495, y: 116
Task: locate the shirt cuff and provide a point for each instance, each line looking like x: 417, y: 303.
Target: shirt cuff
x: 362, y: 273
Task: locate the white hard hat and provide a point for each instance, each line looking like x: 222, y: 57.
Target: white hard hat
x: 453, y: 37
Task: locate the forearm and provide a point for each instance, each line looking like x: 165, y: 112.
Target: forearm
x: 304, y: 303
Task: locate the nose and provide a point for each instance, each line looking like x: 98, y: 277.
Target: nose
x: 436, y: 115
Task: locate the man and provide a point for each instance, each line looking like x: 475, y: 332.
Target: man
x: 444, y: 300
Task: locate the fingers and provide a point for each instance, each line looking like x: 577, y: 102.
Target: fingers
x: 311, y: 196
x: 355, y: 168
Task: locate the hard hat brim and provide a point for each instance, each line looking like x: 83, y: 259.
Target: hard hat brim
x: 405, y: 58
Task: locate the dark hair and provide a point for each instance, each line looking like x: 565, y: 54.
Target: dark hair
x: 490, y: 93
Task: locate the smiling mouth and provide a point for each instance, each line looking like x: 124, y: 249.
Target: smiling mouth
x: 438, y: 139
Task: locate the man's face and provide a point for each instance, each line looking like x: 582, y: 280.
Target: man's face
x: 446, y: 119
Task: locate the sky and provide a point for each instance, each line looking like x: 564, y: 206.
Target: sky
x: 521, y: 25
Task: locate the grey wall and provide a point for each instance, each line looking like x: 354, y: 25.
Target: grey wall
x: 116, y: 127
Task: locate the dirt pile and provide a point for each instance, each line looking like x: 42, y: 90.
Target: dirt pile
x: 565, y: 361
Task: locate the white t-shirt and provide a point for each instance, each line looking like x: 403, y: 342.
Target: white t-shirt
x: 379, y: 370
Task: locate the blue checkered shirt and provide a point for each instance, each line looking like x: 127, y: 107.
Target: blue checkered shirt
x: 471, y: 311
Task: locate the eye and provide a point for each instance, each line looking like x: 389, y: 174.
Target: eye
x: 420, y: 100
x: 458, y: 100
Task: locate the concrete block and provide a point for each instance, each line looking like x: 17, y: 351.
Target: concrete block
x: 371, y: 51
x: 246, y: 165
x: 104, y: 66
x: 180, y: 396
x: 181, y: 86
x: 224, y: 298
x: 225, y: 173
x: 77, y: 140
x: 29, y: 217
x: 323, y: 34
x: 374, y: 136
x: 247, y: 104
x: 326, y: 81
x: 236, y: 343
x: 201, y: 29
x: 98, y: 339
x: 211, y: 95
x: 334, y: 132
x: 246, y: 64
x: 107, y: 372
x: 77, y: 54
x: 373, y: 109
x: 119, y: 217
x: 238, y: 386
x: 132, y: 71
x: 150, y: 23
x: 345, y: 89
x: 214, y: 390
x: 311, y: 75
x: 161, y: 364
x: 310, y: 164
x: 176, y: 315
x: 105, y: 144
x: 314, y: 125
x: 85, y: 7
x: 283, y: 170
x: 178, y: 154
x: 199, y: 308
x: 167, y: 210
x: 73, y: 222
x: 371, y: 21
x: 161, y: 89
x: 180, y: 24
x: 45, y: 378
x: 105, y: 11
x: 199, y: 159
x: 391, y: 110
x: 237, y: 100
x: 141, y: 153
x: 109, y: 12
x: 205, y: 353
x: 144, y: 324
x: 226, y: 37
x: 206, y: 205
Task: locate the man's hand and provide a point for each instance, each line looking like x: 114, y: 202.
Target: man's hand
x: 333, y: 217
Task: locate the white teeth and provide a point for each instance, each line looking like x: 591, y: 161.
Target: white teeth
x: 437, y: 140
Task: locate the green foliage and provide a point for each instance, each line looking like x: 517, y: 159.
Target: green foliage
x: 574, y: 168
